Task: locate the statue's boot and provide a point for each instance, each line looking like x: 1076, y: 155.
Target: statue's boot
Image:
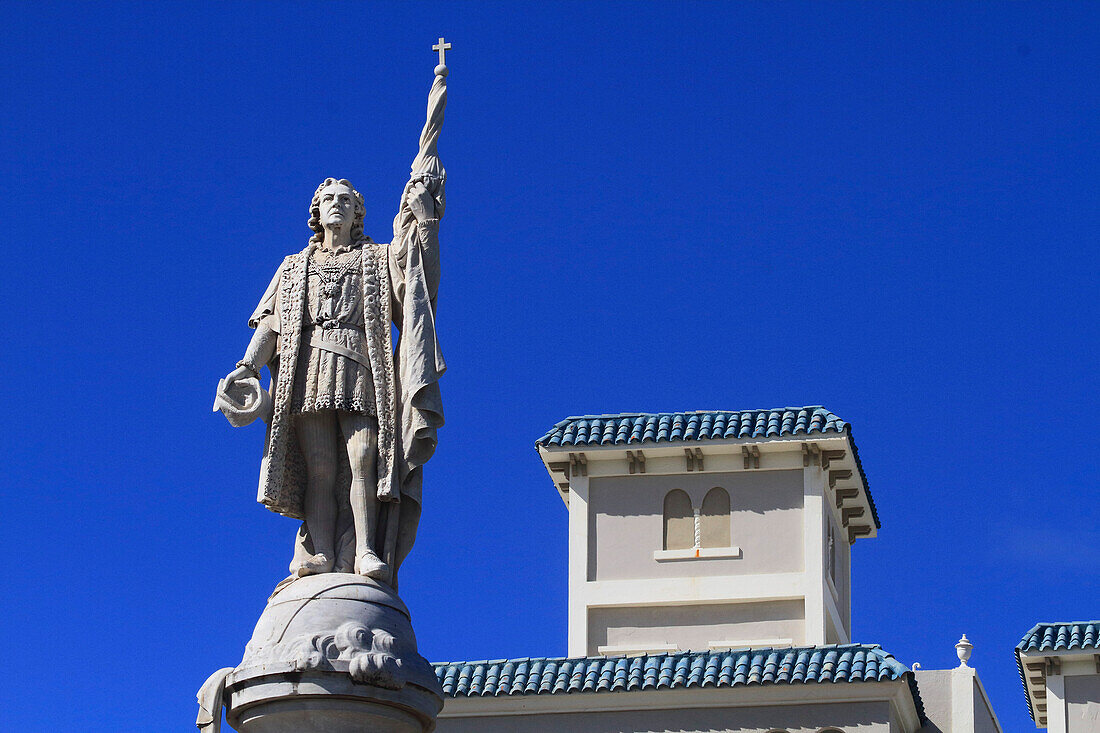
x: 315, y: 565
x: 371, y: 566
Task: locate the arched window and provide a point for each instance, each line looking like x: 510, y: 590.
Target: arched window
x: 830, y: 730
x: 679, y: 521
x: 714, y: 519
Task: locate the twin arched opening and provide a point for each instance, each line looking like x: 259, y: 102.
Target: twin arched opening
x: 686, y: 528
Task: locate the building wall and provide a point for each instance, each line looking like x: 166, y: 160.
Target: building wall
x: 840, y: 578
x: 858, y: 717
x: 954, y: 702
x: 1083, y: 703
x: 935, y: 694
x: 694, y: 626
x: 626, y: 525
x: 983, y: 716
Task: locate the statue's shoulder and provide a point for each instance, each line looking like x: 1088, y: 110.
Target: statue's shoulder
x: 369, y: 245
x: 289, y: 264
x: 295, y: 258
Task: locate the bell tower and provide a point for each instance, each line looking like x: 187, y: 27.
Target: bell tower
x: 709, y: 530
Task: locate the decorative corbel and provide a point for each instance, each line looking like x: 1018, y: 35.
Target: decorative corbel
x: 559, y: 472
x: 851, y: 513
x: 835, y: 476
x: 843, y: 495
x: 637, y: 461
x: 811, y: 455
x: 578, y: 464
x: 693, y: 459
x: 828, y: 456
x: 1037, y: 676
x: 861, y: 530
x: 751, y: 454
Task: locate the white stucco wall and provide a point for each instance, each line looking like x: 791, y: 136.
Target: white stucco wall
x: 694, y: 626
x: 1082, y: 703
x: 840, y: 581
x: 955, y: 702
x: 853, y: 717
x: 625, y: 524
x: 935, y: 694
x: 983, y: 715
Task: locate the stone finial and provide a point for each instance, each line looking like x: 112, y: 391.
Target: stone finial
x: 963, y: 649
x: 442, y: 47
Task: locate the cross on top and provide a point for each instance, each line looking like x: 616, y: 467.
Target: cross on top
x: 442, y: 48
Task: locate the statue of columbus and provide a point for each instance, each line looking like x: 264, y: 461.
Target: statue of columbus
x: 352, y: 420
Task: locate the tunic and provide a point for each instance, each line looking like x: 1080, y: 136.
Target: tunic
x: 334, y: 301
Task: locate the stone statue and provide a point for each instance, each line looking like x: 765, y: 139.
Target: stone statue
x: 351, y: 422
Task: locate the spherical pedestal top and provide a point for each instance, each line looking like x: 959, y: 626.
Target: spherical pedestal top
x: 330, y: 648
x: 339, y: 587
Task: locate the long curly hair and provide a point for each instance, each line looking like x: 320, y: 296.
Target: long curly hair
x: 315, y: 212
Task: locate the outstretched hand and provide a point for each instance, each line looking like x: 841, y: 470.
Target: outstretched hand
x: 420, y: 202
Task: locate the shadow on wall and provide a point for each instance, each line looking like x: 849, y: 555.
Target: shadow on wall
x: 756, y: 492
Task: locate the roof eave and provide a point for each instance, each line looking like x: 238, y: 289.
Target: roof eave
x: 561, y: 464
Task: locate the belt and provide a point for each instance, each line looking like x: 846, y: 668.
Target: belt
x: 318, y: 341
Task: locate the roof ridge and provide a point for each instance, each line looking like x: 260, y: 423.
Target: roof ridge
x: 691, y: 412
x: 877, y: 648
x: 851, y: 662
x: 699, y: 427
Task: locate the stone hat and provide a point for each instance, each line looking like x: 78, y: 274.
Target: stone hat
x: 242, y: 401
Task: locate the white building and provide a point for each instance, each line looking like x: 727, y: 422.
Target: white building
x: 1059, y: 664
x: 709, y: 590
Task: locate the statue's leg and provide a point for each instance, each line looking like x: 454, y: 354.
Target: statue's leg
x: 361, y: 438
x: 317, y: 438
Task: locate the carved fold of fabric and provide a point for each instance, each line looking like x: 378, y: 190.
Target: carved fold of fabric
x: 330, y: 381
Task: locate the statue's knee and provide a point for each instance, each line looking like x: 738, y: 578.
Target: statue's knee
x: 361, y: 456
x: 363, y: 469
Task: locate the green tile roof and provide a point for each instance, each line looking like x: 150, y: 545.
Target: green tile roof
x: 629, y: 428
x: 636, y: 427
x: 1055, y: 637
x: 1061, y: 636
x: 728, y: 668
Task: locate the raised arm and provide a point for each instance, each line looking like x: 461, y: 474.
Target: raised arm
x: 426, y: 210
x: 423, y: 200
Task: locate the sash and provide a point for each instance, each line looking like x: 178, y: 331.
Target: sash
x: 318, y: 341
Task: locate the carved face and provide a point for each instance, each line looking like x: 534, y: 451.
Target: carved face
x: 337, y: 206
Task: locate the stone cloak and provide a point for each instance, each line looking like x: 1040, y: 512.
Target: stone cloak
x: 399, y: 284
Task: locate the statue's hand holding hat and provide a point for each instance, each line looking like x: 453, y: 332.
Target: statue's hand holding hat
x: 242, y: 401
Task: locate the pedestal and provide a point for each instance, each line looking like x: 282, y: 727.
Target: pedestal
x: 333, y: 653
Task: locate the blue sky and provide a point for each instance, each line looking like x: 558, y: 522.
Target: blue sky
x: 889, y: 209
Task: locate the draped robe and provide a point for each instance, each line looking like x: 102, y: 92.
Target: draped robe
x: 399, y: 283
